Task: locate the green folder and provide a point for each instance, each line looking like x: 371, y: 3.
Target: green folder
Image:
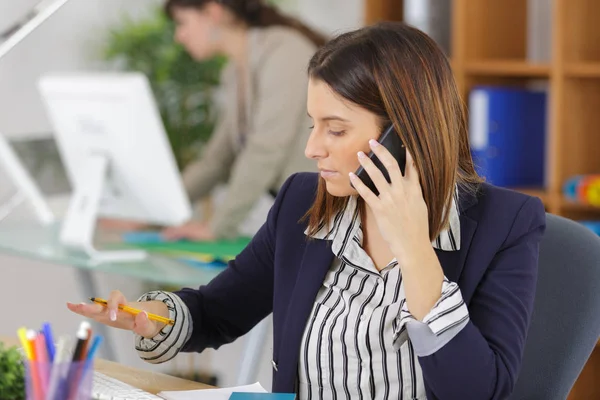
x: 222, y: 250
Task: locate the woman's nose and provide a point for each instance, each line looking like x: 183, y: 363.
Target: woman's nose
x: 314, y: 147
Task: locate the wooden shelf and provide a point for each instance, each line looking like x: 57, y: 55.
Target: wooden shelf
x: 568, y: 204
x: 507, y: 68
x: 583, y: 70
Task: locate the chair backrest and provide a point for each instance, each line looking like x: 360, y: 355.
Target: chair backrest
x: 565, y: 325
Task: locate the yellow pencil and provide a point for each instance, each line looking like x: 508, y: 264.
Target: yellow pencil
x: 135, y: 311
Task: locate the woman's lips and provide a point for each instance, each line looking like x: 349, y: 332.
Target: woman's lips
x: 327, y: 173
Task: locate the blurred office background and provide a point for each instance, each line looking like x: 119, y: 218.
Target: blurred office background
x: 75, y: 39
x: 528, y: 70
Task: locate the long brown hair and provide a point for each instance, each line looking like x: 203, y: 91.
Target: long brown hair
x: 254, y: 13
x: 400, y: 74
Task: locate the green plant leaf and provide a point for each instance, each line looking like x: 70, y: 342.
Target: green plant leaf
x: 12, y: 374
x: 183, y: 87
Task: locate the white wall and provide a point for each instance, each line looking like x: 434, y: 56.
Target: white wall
x: 69, y: 40
x: 329, y: 16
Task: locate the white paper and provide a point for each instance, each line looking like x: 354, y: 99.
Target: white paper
x: 211, y: 394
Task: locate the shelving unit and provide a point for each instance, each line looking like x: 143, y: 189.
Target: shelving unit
x: 506, y: 68
x: 583, y: 70
x: 489, y: 46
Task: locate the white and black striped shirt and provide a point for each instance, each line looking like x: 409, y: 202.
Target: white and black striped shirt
x: 169, y: 341
x: 361, y: 341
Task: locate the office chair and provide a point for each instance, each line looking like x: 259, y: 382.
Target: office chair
x: 565, y: 324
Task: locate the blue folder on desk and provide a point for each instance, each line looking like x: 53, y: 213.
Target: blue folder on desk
x: 143, y: 237
x: 507, y: 128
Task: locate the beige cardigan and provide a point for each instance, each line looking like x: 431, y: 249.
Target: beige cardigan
x: 277, y: 128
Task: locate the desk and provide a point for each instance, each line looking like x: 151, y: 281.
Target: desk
x: 152, y: 382
x: 41, y: 243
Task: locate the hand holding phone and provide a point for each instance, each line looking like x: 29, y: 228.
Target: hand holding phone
x: 392, y: 142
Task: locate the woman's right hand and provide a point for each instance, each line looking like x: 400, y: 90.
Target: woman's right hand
x: 121, y: 225
x: 112, y: 316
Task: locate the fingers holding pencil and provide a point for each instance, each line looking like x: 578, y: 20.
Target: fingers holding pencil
x: 100, y: 314
x: 143, y: 326
x: 112, y: 304
x: 143, y: 318
x: 107, y: 313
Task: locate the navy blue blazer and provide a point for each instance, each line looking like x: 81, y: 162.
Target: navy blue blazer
x: 281, y: 272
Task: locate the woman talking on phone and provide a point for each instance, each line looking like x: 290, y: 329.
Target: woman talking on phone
x: 421, y: 287
x: 259, y: 139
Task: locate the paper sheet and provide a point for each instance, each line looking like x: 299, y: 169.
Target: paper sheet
x: 211, y: 394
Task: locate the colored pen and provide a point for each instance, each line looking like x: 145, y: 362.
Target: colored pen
x: 89, y: 349
x: 49, y: 341
x: 82, y: 336
x: 94, y: 348
x: 60, y: 370
x: 22, y: 332
x: 91, y: 354
x: 33, y: 367
x: 85, y: 368
x: 135, y: 311
x: 42, y: 359
x: 84, y: 347
x: 76, y: 363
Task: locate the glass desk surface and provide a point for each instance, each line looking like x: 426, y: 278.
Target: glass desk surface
x: 34, y: 241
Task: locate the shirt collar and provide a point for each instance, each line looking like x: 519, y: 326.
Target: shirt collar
x: 346, y: 227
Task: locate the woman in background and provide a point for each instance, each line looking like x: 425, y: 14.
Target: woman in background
x: 262, y: 128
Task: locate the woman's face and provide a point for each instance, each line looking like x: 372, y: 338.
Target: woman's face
x: 340, y: 130
x: 195, y: 30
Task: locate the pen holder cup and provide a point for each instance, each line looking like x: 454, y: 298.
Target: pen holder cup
x: 62, y: 381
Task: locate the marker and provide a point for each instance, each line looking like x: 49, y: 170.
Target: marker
x: 49, y: 341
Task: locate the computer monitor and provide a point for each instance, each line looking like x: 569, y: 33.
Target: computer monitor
x: 116, y: 153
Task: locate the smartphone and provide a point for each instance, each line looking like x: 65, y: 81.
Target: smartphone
x: 391, y: 141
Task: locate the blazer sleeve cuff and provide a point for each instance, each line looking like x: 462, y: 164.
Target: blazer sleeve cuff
x: 171, y: 339
x: 446, y: 319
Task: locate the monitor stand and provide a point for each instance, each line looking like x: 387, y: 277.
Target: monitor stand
x: 27, y: 189
x: 79, y: 225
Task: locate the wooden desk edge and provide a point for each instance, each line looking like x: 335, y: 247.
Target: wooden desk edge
x: 152, y: 382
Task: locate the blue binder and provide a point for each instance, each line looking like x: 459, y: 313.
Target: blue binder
x: 507, y: 132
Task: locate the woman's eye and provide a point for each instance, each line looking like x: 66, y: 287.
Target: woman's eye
x: 336, y: 133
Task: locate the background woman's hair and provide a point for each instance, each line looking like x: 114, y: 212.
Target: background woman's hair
x: 400, y: 74
x: 254, y: 13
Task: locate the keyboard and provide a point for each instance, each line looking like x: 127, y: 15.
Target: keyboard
x: 107, y: 388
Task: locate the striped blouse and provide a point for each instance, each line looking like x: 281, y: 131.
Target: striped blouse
x: 361, y: 341
x: 171, y: 339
